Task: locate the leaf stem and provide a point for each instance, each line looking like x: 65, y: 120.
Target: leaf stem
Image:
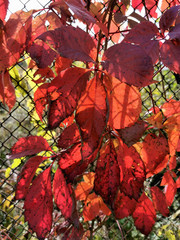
x: 91, y: 230
x: 120, y: 229
x: 153, y: 103
x: 100, y: 32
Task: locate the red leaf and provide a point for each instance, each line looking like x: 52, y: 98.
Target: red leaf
x: 170, y: 188
x: 107, y: 176
x: 154, y: 153
x: 124, y: 103
x: 67, y: 121
x: 69, y: 136
x: 80, y: 11
x: 159, y: 201
x: 129, y: 63
x: 91, y: 114
x: 70, y: 85
x: 132, y: 171
x: 62, y: 195
x: 42, y: 54
x: 44, y: 72
x: 178, y: 182
x: 61, y: 64
x: 170, y: 55
x: 150, y: 5
x: 38, y: 204
x: 144, y: 215
x: 70, y: 156
x: 29, y: 146
x: 7, y: 91
x: 123, y: 206
x: 71, y: 43
x: 26, y: 175
x: 168, y: 18
x: 72, y: 164
x: 14, y: 38
x: 131, y: 135
x: 3, y: 8
x: 41, y: 99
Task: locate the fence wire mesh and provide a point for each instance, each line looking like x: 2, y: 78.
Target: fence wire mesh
x: 22, y: 121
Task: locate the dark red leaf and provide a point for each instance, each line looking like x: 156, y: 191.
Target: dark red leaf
x: 69, y: 85
x: 7, y: 91
x: 42, y: 54
x: 152, y: 49
x: 124, y: 103
x: 107, y: 176
x: 71, y: 43
x: 170, y: 55
x: 80, y: 11
x: 38, y: 204
x: 131, y: 135
x: 129, y: 63
x: 91, y: 115
x: 74, y: 233
x: 29, y: 146
x: 144, y: 215
x: 154, y: 153
x: 123, y: 206
x: 168, y: 18
x: 62, y: 195
x: 142, y: 33
x: 44, y: 72
x: 26, y: 175
x: 174, y: 34
x: 132, y: 171
x: 69, y: 136
x: 3, y: 8
x: 159, y: 201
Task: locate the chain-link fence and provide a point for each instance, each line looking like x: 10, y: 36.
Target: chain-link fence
x: 23, y: 121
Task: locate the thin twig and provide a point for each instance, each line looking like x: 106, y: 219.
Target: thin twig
x: 119, y: 226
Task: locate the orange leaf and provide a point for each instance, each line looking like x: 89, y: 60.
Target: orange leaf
x: 84, y: 188
x: 91, y: 114
x: 154, y: 151
x: 170, y: 108
x: 94, y: 205
x: 124, y: 103
x: 172, y: 127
